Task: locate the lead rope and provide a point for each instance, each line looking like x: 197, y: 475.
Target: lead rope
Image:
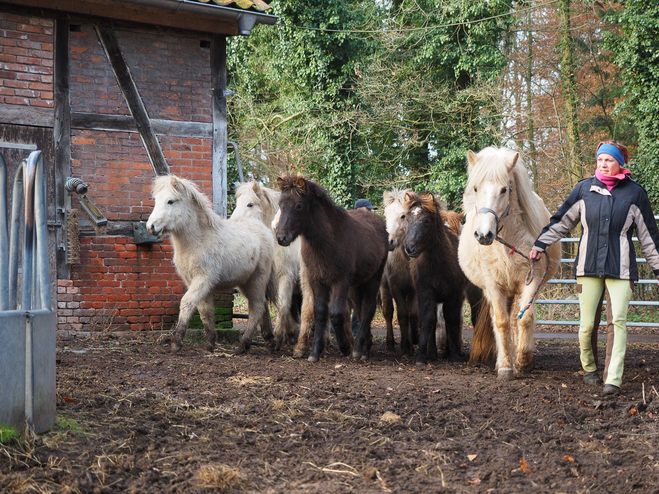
x: 530, y: 274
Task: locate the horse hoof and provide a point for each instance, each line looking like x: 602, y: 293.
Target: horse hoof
x: 209, y: 348
x: 176, y: 346
x: 505, y: 375
x: 240, y: 350
x: 313, y: 358
x: 345, y: 350
x: 356, y: 355
x: 456, y: 358
x: 528, y: 368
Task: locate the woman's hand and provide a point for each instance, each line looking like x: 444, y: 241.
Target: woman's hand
x: 534, y: 255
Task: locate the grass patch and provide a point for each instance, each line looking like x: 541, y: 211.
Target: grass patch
x: 8, y: 434
x: 66, y: 424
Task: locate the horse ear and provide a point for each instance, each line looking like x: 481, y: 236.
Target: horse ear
x: 256, y: 187
x: 471, y: 158
x: 280, y: 181
x: 387, y: 197
x: 513, y: 161
x: 429, y: 202
x: 174, y: 182
x: 300, y: 183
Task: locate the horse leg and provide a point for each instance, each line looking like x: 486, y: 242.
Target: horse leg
x: 307, y: 322
x: 320, y: 315
x: 427, y: 321
x: 266, y: 329
x: 340, y: 319
x: 501, y: 322
x: 405, y: 323
x: 198, y: 290
x: 257, y: 307
x: 368, y: 302
x: 414, y: 320
x: 525, y: 327
x: 285, y: 325
x: 441, y: 330
x: 388, y: 313
x: 206, y: 310
x: 453, y: 317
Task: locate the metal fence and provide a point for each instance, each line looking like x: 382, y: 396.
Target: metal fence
x: 572, y: 281
x: 27, y: 322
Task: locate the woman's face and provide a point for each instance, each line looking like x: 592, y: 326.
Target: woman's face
x: 607, y: 165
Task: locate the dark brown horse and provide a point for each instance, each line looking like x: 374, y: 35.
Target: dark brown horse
x: 344, y: 253
x: 437, y: 276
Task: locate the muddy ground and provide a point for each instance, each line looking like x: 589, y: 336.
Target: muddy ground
x: 133, y: 418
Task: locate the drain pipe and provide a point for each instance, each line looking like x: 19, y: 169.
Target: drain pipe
x: 4, y: 237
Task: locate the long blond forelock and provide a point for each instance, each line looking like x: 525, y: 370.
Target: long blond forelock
x: 188, y: 190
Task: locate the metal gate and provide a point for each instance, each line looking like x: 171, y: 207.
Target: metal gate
x: 27, y: 323
x: 573, y: 281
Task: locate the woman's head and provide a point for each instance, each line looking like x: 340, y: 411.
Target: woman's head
x: 611, y: 157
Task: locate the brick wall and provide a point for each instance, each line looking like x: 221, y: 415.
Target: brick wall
x: 26, y: 61
x: 117, y: 285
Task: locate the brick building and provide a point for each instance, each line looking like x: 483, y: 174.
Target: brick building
x: 114, y: 92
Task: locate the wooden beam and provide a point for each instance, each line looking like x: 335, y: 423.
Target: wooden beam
x: 132, y: 96
x: 62, y: 141
x: 125, y: 123
x: 34, y: 116
x: 111, y: 9
x: 219, y: 101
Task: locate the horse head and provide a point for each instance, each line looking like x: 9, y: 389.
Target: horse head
x: 293, y: 206
x: 170, y: 212
x: 255, y: 201
x: 489, y: 190
x: 394, y: 214
x: 423, y: 221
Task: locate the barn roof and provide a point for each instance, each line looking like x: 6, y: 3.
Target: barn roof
x: 229, y: 17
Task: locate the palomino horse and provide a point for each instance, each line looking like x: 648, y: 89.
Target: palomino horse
x: 500, y: 203
x: 212, y: 253
x: 433, y: 250
x: 256, y: 201
x: 344, y: 253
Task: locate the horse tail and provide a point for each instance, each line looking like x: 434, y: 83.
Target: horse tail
x: 272, y: 288
x: 483, y: 343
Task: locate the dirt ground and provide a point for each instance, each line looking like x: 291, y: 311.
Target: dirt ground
x: 134, y: 418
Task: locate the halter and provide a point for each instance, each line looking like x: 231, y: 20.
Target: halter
x: 494, y: 213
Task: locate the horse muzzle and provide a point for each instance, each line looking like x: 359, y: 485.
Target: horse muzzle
x: 151, y: 228
x: 284, y: 240
x: 411, y: 251
x: 486, y: 239
x: 392, y: 244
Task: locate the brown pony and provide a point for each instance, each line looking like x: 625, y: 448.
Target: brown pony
x: 344, y: 253
x: 437, y: 276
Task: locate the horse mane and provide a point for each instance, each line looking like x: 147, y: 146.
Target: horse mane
x: 492, y: 164
x: 188, y: 190
x: 297, y: 184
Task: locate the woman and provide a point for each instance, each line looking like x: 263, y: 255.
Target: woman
x: 610, y: 206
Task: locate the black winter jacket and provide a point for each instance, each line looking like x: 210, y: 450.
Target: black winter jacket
x: 608, y: 220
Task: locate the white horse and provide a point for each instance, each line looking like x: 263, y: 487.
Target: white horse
x: 499, y: 202
x: 259, y: 202
x: 212, y: 253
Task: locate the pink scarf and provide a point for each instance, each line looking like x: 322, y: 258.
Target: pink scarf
x: 612, y: 180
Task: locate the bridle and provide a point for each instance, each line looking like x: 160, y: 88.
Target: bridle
x: 498, y: 218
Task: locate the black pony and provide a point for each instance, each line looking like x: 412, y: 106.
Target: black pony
x: 344, y: 253
x: 437, y: 276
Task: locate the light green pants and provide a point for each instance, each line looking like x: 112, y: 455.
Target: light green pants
x: 620, y: 293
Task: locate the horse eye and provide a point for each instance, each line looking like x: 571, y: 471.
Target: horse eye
x: 426, y: 221
x: 171, y: 201
x: 298, y: 206
x: 402, y: 216
x: 475, y: 189
x: 251, y: 204
x: 503, y: 190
